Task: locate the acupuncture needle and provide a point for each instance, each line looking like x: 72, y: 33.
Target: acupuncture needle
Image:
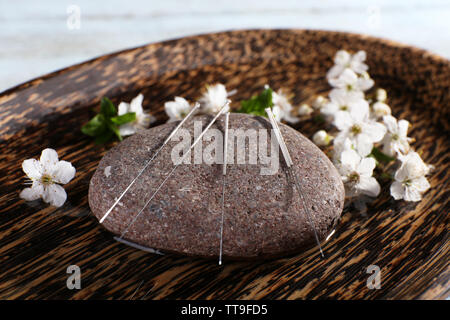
x: 188, y: 153
x: 224, y: 173
x: 196, y: 106
x: 289, y: 163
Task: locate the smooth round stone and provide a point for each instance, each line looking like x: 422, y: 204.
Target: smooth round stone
x: 264, y: 215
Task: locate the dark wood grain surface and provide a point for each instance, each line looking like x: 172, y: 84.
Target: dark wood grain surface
x: 408, y: 241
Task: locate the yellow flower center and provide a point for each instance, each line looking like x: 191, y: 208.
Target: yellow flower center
x: 355, y: 129
x: 46, y: 179
x: 344, y: 108
x: 353, y: 177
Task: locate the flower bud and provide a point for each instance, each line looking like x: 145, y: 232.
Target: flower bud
x: 381, y: 95
x: 305, y: 110
x: 322, y: 138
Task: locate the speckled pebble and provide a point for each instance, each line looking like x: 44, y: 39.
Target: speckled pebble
x: 264, y: 216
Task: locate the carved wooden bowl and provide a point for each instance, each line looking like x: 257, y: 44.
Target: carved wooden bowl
x: 408, y: 241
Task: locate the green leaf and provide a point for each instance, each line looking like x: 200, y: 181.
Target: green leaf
x: 106, y: 124
x: 105, y: 137
x: 107, y: 108
x: 125, y: 118
x: 380, y: 156
x: 257, y: 104
x: 115, y: 130
x: 96, y: 126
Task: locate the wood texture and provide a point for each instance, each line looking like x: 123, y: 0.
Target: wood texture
x: 408, y: 241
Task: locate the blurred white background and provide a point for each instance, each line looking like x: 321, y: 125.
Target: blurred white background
x: 37, y: 37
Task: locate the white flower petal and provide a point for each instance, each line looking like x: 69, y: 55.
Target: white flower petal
x: 414, y: 165
x: 361, y: 113
x: 63, y: 172
x: 32, y: 168
x: 397, y: 190
x: 366, y: 166
x: 49, y: 158
x: 335, y: 71
x: 343, y: 120
x: 291, y: 119
x: 388, y: 147
x: 214, y: 98
x: 403, y: 128
x: 127, y: 129
x: 360, y: 56
x: 375, y: 130
x: 339, y: 96
x: 391, y: 123
x: 329, y: 109
x: 136, y: 104
x: 363, y: 144
x: 401, y: 174
x: 421, y: 184
x: 381, y: 109
x: 144, y: 120
x: 412, y: 194
x: 55, y: 195
x: 350, y: 159
x: 358, y: 103
x: 123, y: 108
x: 369, y: 186
x: 364, y: 84
x: 33, y: 193
x: 342, y: 57
x: 177, y: 109
x: 349, y: 77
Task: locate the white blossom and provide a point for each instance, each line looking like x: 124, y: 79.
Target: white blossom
x: 319, y: 102
x: 143, y: 119
x: 344, y: 60
x: 305, y: 110
x: 340, y: 146
x: 283, y: 107
x: 410, y: 182
x: 322, y: 138
x: 343, y: 101
x: 381, y: 95
x: 214, y: 98
x: 46, y: 175
x: 356, y: 173
x: 350, y: 81
x: 380, y: 109
x: 396, y: 139
x: 177, y: 109
x: 359, y: 129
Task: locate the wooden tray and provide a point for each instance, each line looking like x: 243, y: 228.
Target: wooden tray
x: 408, y: 241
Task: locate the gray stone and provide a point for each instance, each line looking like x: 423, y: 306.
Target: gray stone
x: 264, y: 215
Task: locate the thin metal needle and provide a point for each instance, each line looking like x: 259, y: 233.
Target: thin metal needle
x: 224, y: 173
x: 289, y: 163
x: 196, y: 106
x: 176, y: 166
